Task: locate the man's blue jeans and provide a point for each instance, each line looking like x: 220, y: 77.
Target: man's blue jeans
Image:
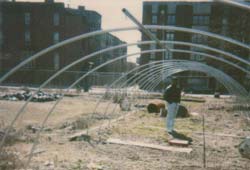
x: 172, y: 112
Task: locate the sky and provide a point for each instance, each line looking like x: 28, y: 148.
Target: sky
x: 112, y: 16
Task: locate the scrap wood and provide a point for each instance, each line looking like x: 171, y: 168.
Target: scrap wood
x: 95, y: 128
x: 178, y: 142
x: 152, y: 146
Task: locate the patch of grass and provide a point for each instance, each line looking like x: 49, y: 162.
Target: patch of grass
x: 79, y: 165
x: 145, y: 131
x: 149, y: 132
x: 188, y: 125
x: 152, y: 126
x: 161, y: 123
x: 144, y: 114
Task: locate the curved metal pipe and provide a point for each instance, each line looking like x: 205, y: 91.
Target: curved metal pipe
x: 201, y: 68
x: 158, y: 69
x: 96, y: 53
x: 78, y: 61
x: 79, y: 37
x: 235, y: 86
x: 155, y: 81
x: 234, y: 3
x: 72, y: 64
x: 181, y: 69
x: 146, y: 75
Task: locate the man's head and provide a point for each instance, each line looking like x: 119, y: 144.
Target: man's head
x: 174, y: 81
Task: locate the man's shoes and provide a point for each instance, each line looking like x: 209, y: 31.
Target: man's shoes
x: 171, y: 135
x: 175, y: 132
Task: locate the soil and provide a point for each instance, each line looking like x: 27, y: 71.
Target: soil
x: 224, y: 129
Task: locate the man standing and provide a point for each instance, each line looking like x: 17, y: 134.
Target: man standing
x: 172, y: 95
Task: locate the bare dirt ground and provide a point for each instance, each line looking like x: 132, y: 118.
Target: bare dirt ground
x: 224, y: 128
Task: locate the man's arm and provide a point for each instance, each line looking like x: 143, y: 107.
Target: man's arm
x: 179, y: 95
x: 167, y: 95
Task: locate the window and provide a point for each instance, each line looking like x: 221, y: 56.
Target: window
x: 1, y: 39
x: 27, y: 18
x: 197, y: 57
x: 170, y: 36
x: 192, y: 57
x: 162, y: 12
x: 26, y: 55
x: 168, y: 55
x: 151, y: 66
x: 56, y: 38
x: 103, y: 44
x: 171, y: 20
x: 56, y: 19
x: 1, y: 20
x: 154, y: 19
x: 206, y: 20
x: 155, y: 8
x: 200, y: 20
x: 195, y: 20
x: 152, y: 55
x: 56, y: 61
x: 27, y: 37
x: 224, y: 21
x: 154, y: 32
x: 172, y: 8
x: 197, y: 38
x: 152, y: 46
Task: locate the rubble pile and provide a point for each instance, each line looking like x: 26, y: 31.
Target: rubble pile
x: 38, y: 97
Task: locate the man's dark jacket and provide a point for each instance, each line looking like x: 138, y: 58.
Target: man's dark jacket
x: 172, y: 94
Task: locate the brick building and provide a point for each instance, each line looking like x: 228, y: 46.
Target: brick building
x: 29, y: 27
x: 204, y: 15
x: 1, y: 33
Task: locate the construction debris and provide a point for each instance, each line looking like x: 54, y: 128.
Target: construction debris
x: 38, y: 97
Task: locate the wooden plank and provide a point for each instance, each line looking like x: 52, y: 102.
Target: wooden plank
x: 104, y: 125
x: 152, y: 146
x: 178, y: 142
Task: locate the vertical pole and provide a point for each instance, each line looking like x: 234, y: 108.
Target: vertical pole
x: 144, y: 30
x: 204, y: 140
